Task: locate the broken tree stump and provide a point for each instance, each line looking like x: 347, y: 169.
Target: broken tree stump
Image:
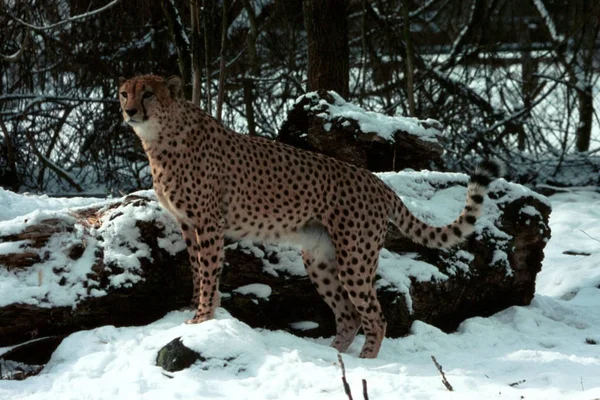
x: 325, y: 123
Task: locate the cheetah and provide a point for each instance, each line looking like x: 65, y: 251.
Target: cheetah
x: 218, y: 183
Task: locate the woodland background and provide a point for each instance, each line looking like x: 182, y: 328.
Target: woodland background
x: 514, y: 79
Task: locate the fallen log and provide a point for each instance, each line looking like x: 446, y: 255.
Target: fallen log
x: 122, y: 262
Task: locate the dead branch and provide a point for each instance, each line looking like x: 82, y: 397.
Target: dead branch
x: 344, y: 381
x: 17, y: 55
x: 50, y: 165
x: 591, y: 237
x: 514, y: 384
x: 576, y: 253
x: 444, y: 380
x: 68, y: 20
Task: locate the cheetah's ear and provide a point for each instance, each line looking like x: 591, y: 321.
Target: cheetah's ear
x: 174, y: 84
x: 122, y: 80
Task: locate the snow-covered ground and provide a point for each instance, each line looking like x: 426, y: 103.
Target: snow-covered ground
x: 548, y: 350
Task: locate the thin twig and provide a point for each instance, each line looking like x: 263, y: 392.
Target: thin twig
x: 444, y: 380
x: 586, y: 234
x: 514, y: 384
x: 344, y: 381
x: 365, y: 392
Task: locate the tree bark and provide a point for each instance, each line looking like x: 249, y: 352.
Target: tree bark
x: 328, y: 55
x: 586, y: 116
x: 248, y: 82
x: 9, y: 176
x: 409, y: 60
x: 529, y: 82
x: 180, y: 41
x: 221, y: 94
x: 195, y: 44
x: 207, y: 18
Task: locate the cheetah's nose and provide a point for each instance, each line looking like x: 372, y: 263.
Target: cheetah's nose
x: 131, y: 111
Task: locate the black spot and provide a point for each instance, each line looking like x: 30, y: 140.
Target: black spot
x: 480, y: 179
x: 477, y: 198
x: 471, y: 219
x: 457, y: 231
x: 492, y: 168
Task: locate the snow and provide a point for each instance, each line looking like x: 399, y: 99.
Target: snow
x: 372, y: 122
x: 564, y: 275
x: 259, y: 290
x: 304, y: 325
x: 59, y: 280
x: 16, y: 205
x: 546, y: 350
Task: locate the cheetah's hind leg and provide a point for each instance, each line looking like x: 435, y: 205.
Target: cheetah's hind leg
x: 358, y: 282
x: 319, y: 259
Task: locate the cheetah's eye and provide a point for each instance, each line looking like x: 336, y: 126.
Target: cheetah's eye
x: 147, y: 95
x: 124, y: 94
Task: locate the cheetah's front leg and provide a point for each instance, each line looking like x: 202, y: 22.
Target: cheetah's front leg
x: 208, y: 267
x: 189, y: 235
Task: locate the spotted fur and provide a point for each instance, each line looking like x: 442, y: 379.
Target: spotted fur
x: 218, y: 184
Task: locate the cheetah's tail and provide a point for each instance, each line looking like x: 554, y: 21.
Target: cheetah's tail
x: 464, y: 225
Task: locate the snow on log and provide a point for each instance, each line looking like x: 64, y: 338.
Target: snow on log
x: 324, y: 122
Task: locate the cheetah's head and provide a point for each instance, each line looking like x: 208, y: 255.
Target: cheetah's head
x: 142, y: 100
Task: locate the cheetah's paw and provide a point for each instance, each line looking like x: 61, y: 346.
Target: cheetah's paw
x: 198, y: 319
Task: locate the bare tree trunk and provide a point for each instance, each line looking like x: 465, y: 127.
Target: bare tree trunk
x: 410, y: 92
x: 248, y: 85
x: 12, y: 165
x: 207, y: 18
x: 180, y: 39
x: 195, y: 42
x: 586, y: 88
x: 221, y: 94
x: 580, y: 80
x: 528, y: 70
x: 586, y: 115
x: 248, y: 82
x: 328, y: 55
